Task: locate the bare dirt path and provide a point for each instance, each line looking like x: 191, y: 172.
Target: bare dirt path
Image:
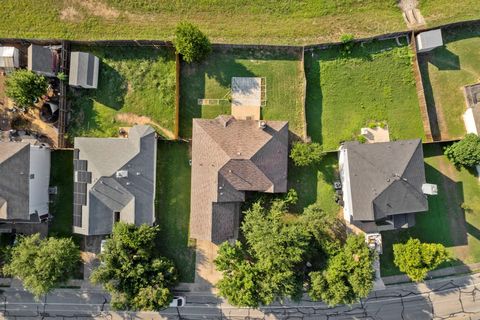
x: 411, y: 14
x: 132, y: 119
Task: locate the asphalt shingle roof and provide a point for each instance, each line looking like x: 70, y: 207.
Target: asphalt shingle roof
x: 386, y: 178
x: 230, y: 157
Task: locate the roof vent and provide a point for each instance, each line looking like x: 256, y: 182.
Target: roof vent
x: 430, y: 189
x: 137, y: 173
x: 122, y: 174
x: 262, y: 124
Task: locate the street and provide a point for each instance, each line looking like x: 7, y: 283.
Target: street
x: 450, y: 298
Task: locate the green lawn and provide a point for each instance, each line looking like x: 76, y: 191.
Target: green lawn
x: 445, y: 222
x: 314, y: 184
x: 282, y: 21
x: 373, y: 83
x: 438, y: 12
x: 61, y: 176
x: 135, y: 85
x: 173, y: 206
x: 445, y: 71
x: 212, y: 79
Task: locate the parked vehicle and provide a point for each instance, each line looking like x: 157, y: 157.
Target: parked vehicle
x: 178, y: 301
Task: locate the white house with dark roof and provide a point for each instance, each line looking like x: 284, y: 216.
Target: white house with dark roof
x: 114, y: 180
x: 383, y: 184
x: 24, y: 181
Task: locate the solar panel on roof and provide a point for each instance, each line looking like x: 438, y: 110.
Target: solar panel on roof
x: 76, y: 154
x: 83, y: 176
x: 79, y: 188
x: 77, y: 215
x: 80, y: 165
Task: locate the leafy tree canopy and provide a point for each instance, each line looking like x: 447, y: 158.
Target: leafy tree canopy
x: 465, y: 152
x: 305, y: 154
x: 348, y: 276
x: 24, y: 86
x: 191, y: 43
x: 416, y: 258
x: 132, y: 272
x: 42, y: 264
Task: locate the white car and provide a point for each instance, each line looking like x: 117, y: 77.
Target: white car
x: 178, y: 301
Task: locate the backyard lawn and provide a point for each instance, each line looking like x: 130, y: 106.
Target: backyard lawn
x: 314, y: 184
x: 173, y: 206
x: 438, y: 12
x: 445, y: 71
x: 135, y: 85
x: 445, y: 222
x: 212, y: 79
x: 61, y: 176
x: 346, y: 92
x: 256, y: 21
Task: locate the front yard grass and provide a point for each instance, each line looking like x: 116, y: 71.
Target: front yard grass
x: 314, y: 184
x: 445, y: 222
x: 445, y: 71
x: 173, y: 206
x: 211, y: 79
x: 61, y: 176
x: 375, y: 82
x: 135, y: 85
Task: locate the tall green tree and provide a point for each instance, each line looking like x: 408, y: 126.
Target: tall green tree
x: 465, y: 152
x: 305, y: 154
x: 348, y: 276
x: 132, y: 272
x: 191, y: 43
x: 416, y: 259
x: 42, y: 264
x: 24, y: 86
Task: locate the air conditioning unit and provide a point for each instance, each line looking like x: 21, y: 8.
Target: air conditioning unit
x: 430, y: 189
x: 122, y: 174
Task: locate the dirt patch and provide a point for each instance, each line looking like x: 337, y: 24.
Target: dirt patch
x: 99, y: 9
x: 133, y: 119
x: 70, y: 14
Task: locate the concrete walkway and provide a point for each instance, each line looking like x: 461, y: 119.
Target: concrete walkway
x: 450, y: 271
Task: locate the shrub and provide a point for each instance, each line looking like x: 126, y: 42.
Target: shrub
x: 191, y: 43
x: 24, y: 86
x: 304, y: 154
x: 62, y: 76
x: 347, y: 43
x: 416, y: 258
x: 465, y: 152
x: 361, y: 139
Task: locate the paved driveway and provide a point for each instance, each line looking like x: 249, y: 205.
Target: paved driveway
x: 206, y: 276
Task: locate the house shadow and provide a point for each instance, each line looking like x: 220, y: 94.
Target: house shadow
x: 442, y: 58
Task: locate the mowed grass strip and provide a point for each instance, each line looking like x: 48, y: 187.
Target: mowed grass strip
x: 172, y: 206
x: 212, y: 78
x: 135, y: 85
x: 445, y: 71
x: 345, y: 92
x: 232, y: 21
x: 453, y: 218
x: 438, y: 12
x: 61, y: 208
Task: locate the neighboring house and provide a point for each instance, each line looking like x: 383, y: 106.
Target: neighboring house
x: 114, y: 180
x: 471, y: 117
x: 383, y: 184
x: 229, y: 158
x: 83, y: 70
x: 24, y: 181
x: 43, y: 60
x: 429, y: 40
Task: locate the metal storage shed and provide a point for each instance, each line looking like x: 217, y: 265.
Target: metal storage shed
x: 83, y: 70
x: 9, y: 58
x: 429, y: 40
x: 42, y: 60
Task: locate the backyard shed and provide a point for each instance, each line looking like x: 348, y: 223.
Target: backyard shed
x: 9, y: 58
x: 43, y: 60
x: 471, y: 117
x: 83, y: 70
x: 246, y: 97
x: 429, y: 40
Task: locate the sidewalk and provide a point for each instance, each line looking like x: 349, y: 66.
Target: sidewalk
x: 450, y: 271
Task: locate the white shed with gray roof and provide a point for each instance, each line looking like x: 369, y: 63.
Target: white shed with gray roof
x: 84, y: 69
x: 429, y: 40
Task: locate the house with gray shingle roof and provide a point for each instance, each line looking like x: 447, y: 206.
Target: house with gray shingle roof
x: 114, y: 180
x: 229, y: 158
x: 24, y: 181
x: 383, y: 184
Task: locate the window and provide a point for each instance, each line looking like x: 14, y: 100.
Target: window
x: 32, y: 176
x: 116, y: 216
